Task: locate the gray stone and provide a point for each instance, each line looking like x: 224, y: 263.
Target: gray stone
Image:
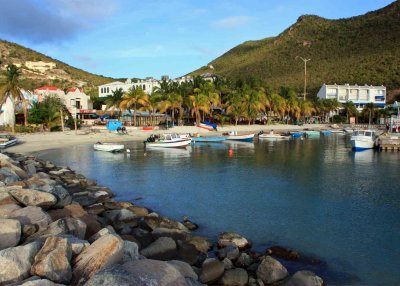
x: 235, y: 277
x: 154, y: 222
x: 271, y: 270
x: 104, y: 231
x: 11, y: 176
x: 230, y: 251
x: 227, y: 264
x: 10, y: 233
x: 131, y: 251
x: 52, y: 261
x: 114, y: 275
x: 32, y: 216
x: 227, y: 238
x: 211, y: 270
x: 184, y: 268
x: 175, y: 234
x: 202, y: 244
x: 244, y: 260
x: 193, y: 282
x: 118, y: 218
x: 31, y: 169
x: 15, y: 262
x: 68, y: 225
x: 41, y: 282
x: 61, y: 194
x: 304, y: 278
x: 95, y: 209
x: 187, y: 252
x: 77, y: 245
x: 154, y: 272
x: 106, y: 251
x: 163, y: 248
x: 6, y: 210
x: 30, y: 197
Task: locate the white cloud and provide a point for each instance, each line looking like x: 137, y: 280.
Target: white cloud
x: 233, y: 22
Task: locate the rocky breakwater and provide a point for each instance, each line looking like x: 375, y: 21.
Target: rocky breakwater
x: 59, y: 228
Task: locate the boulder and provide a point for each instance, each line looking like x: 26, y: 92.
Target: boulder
x: 175, y: 234
x: 131, y: 251
x: 40, y: 282
x: 184, y: 268
x: 211, y: 270
x: 62, y: 195
x: 68, y: 225
x: 227, y: 238
x: 282, y: 252
x: 118, y: 218
x: 201, y: 243
x: 154, y: 222
x: 6, y: 210
x: 76, y: 211
x: 30, y: 197
x: 16, y: 262
x: 104, y: 231
x: 138, y: 210
x: 114, y: 275
x: 227, y: 264
x: 6, y: 199
x: 142, y: 236
x: 271, y: 270
x: 154, y: 272
x: 187, y: 252
x: 244, y: 260
x: 304, y: 278
x: 77, y: 245
x: 31, y: 168
x: 53, y: 260
x: 107, y: 250
x: 235, y: 277
x: 9, y: 175
x: 230, y: 251
x: 10, y: 233
x: 95, y: 209
x: 32, y: 216
x: 163, y: 248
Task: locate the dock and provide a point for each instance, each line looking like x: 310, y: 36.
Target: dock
x: 389, y: 142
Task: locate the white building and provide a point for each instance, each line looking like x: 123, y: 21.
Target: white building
x: 360, y: 95
x: 7, y: 111
x: 75, y: 97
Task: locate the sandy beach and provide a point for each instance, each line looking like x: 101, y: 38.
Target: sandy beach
x: 51, y: 140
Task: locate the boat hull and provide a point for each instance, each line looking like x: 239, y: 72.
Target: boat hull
x: 243, y: 137
x: 168, y: 144
x: 359, y: 144
x: 205, y: 126
x: 109, y: 147
x: 8, y: 143
x: 208, y: 139
x: 273, y: 137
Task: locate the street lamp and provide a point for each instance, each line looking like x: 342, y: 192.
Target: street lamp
x: 305, y: 75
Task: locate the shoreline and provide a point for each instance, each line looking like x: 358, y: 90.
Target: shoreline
x: 36, y: 142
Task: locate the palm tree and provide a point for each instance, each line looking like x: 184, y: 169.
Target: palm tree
x: 306, y: 108
x: 174, y: 101
x: 207, y: 90
x: 278, y: 104
x: 350, y: 109
x: 115, y: 100
x: 235, y: 106
x: 152, y: 105
x: 25, y: 102
x: 135, y: 96
x: 254, y: 102
x: 199, y: 102
x: 11, y: 90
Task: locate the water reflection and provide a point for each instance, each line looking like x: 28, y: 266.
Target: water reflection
x: 363, y: 157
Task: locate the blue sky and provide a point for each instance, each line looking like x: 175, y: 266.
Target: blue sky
x: 129, y: 38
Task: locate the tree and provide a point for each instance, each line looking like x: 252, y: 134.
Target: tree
x: 235, y: 106
x: 48, y: 112
x: 199, y: 102
x: 174, y: 101
x: 11, y: 90
x: 135, y: 96
x: 115, y: 100
x: 350, y: 109
x: 152, y: 105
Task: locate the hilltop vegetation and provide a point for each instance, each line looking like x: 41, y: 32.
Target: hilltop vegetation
x: 358, y: 50
x: 63, y: 75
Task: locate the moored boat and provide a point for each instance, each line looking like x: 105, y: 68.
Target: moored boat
x: 239, y: 137
x: 295, y: 134
x: 7, y: 141
x: 326, y: 132
x: 108, y: 146
x: 312, y: 133
x: 273, y: 136
x: 207, y: 125
x: 169, y: 140
x: 363, y: 139
x: 208, y: 138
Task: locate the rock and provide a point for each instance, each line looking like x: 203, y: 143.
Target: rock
x: 143, y: 237
x: 104, y: 231
x: 77, y: 245
x: 184, y: 268
x: 68, y: 225
x: 131, y: 251
x: 163, y: 248
x: 30, y: 168
x: 283, y: 253
x: 189, y: 224
x: 271, y: 270
x: 304, y: 278
x: 118, y: 218
x: 201, y: 243
x: 15, y: 262
x: 76, y: 211
x: 61, y: 194
x: 84, y: 201
x: 113, y: 205
x: 175, y: 234
x: 155, y: 222
x: 30, y: 197
x: 41, y: 282
x: 227, y: 264
x: 139, y: 211
x: 95, y: 209
x: 244, y: 260
x: 211, y: 270
x: 154, y: 272
x: 187, y: 252
x: 227, y: 238
x: 6, y: 199
x: 230, y: 251
x: 10, y: 233
x: 192, y: 282
x: 10, y: 175
x: 235, y: 277
x: 32, y: 216
x: 53, y: 260
x: 107, y: 250
x: 6, y: 210
x: 114, y: 275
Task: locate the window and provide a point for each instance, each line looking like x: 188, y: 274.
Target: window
x: 78, y: 104
x: 108, y: 89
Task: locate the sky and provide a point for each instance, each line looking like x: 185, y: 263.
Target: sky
x: 129, y: 38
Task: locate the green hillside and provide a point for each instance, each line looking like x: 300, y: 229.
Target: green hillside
x: 63, y: 75
x: 358, y: 50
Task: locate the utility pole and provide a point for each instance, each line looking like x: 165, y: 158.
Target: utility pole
x: 305, y: 76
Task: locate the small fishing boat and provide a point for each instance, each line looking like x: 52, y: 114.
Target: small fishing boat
x: 337, y: 131
x: 108, y: 146
x: 207, y: 125
x: 312, y: 133
x: 7, y: 141
x: 295, y: 134
x: 208, y: 139
x: 169, y: 140
x: 363, y: 139
x: 326, y: 132
x: 273, y: 136
x: 239, y: 137
x: 348, y: 130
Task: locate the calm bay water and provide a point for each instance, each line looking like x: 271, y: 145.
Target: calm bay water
x: 314, y: 195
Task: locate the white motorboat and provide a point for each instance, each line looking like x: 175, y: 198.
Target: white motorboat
x: 7, y: 141
x: 363, y: 139
x: 170, y: 140
x: 108, y: 146
x: 273, y: 136
x: 239, y: 137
